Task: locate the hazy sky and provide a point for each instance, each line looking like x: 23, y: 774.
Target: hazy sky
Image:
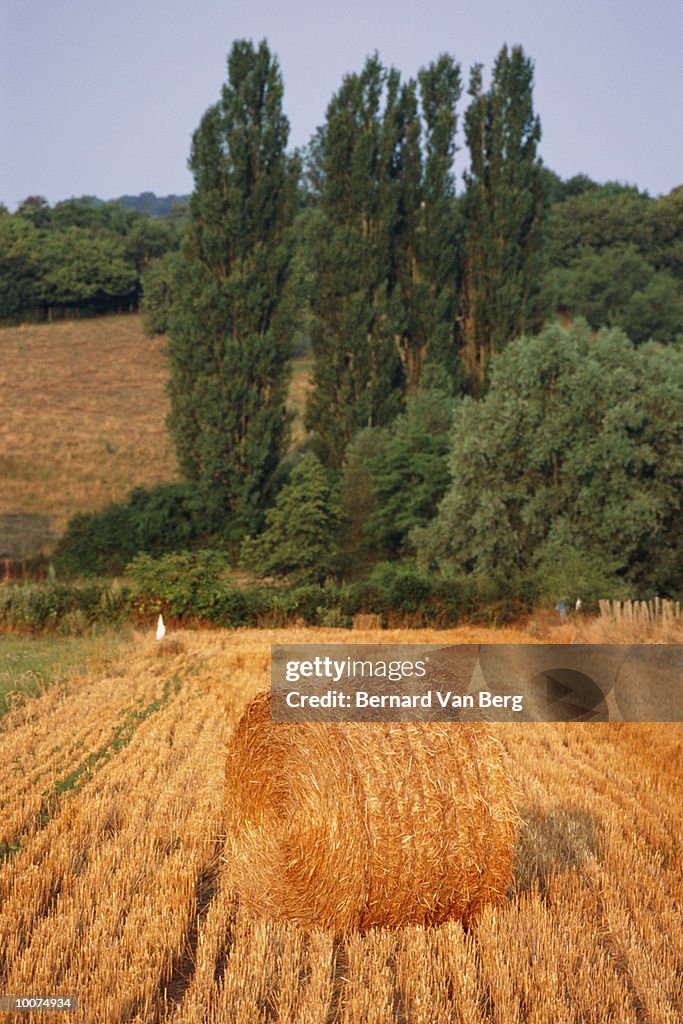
x: 101, y: 98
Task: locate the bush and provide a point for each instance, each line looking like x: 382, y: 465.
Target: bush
x: 155, y: 520
x: 181, y: 583
x: 158, y: 291
x: 398, y: 587
x: 97, y: 543
x: 61, y: 607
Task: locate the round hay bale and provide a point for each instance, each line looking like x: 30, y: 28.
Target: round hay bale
x: 349, y: 826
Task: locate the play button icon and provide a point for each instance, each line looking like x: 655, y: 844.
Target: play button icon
x: 571, y: 696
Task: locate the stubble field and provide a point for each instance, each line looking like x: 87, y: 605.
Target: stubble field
x: 113, y: 887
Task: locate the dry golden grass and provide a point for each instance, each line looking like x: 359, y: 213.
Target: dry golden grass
x: 608, y: 628
x: 112, y: 796
x: 83, y: 415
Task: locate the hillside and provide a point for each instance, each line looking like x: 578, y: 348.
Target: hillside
x: 83, y: 423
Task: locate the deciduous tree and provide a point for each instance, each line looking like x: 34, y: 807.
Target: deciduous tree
x: 572, y: 457
x: 503, y: 208
x: 384, y: 300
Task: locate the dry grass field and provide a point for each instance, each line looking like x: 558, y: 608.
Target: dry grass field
x: 113, y: 888
x: 84, y: 410
x: 83, y: 416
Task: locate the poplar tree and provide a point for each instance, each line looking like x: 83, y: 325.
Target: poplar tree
x: 232, y: 322
x: 358, y: 378
x: 429, y: 249
x: 503, y: 207
x: 385, y: 252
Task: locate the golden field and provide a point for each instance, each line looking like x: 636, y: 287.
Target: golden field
x: 113, y: 888
x: 84, y: 416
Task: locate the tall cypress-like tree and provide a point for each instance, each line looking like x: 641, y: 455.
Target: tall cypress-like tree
x: 503, y: 208
x: 357, y: 378
x: 429, y: 246
x: 385, y: 267
x: 232, y: 321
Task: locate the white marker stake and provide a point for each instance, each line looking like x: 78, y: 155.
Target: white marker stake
x: 161, y: 628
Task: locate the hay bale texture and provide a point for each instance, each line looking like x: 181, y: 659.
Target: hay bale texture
x: 349, y: 826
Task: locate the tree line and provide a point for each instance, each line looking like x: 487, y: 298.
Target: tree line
x: 451, y: 427
x: 79, y: 257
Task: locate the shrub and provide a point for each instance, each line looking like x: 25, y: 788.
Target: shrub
x: 155, y: 520
x: 300, y: 538
x: 181, y: 584
x: 54, y: 606
x: 398, y: 587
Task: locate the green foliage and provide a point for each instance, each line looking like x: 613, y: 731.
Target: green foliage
x: 198, y: 586
x: 617, y: 286
x: 172, y: 207
x: 394, y: 478
x: 357, y: 378
x: 429, y: 255
x: 299, y: 541
x: 82, y: 269
x: 182, y: 584
x: 411, y: 475
x: 97, y: 543
x: 565, y: 569
x: 573, y: 455
x: 617, y: 259
x: 81, y: 256
x: 54, y: 606
x: 232, y: 323
x: 397, y: 587
x: 503, y: 210
x: 36, y: 210
x: 159, y: 286
x: 359, y: 501
x: 156, y: 520
x: 19, y: 267
x: 598, y: 218
x: 148, y: 239
x: 384, y: 296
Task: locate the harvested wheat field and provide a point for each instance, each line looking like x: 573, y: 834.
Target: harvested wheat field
x: 114, y: 885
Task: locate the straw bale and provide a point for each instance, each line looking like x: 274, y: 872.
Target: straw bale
x: 350, y: 826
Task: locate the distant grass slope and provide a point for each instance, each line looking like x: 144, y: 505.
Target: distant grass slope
x: 84, y: 422
x: 84, y: 416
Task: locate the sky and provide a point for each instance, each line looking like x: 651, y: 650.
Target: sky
x: 101, y: 98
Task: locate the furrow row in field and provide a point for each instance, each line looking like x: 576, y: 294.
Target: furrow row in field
x: 50, y: 755
x: 133, y: 890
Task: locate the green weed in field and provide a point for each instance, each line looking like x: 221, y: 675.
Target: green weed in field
x: 28, y: 665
